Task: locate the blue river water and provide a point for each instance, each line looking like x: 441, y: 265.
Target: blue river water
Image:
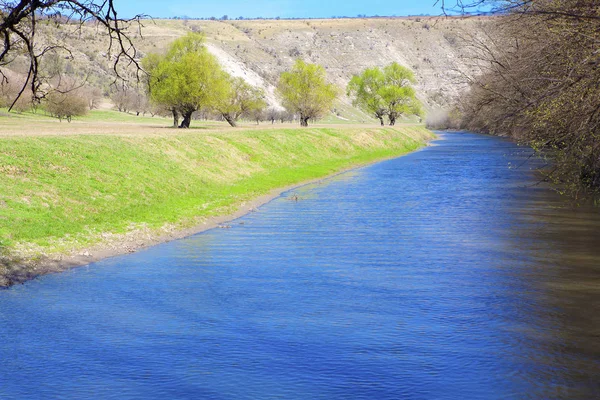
x: 444, y: 274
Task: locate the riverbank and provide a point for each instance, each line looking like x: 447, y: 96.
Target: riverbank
x: 72, y: 200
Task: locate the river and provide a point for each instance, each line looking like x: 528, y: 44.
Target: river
x: 443, y: 274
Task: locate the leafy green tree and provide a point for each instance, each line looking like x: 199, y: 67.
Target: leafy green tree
x: 240, y: 99
x: 305, y: 91
x: 186, y: 79
x: 398, y: 94
x: 385, y: 92
x: 365, y: 88
x: 150, y: 64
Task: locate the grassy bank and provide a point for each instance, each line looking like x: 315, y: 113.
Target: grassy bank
x: 64, y: 193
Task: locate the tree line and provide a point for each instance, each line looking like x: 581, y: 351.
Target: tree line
x: 187, y: 79
x: 541, y: 86
x: 386, y: 92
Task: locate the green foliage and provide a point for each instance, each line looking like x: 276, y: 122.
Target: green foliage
x: 385, y: 92
x: 366, y: 91
x: 187, y: 78
x: 398, y: 94
x: 305, y: 91
x: 241, y: 99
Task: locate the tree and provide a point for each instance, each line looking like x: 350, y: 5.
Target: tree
x: 66, y: 105
x: 258, y: 115
x: 273, y: 114
x: 285, y: 115
x: 541, y: 68
x: 94, y: 96
x: 122, y: 99
x: 9, y: 90
x: 129, y: 99
x: 187, y: 78
x: 18, y: 27
x: 66, y: 99
x: 365, y: 88
x: 150, y: 64
x: 579, y: 9
x: 398, y: 94
x: 139, y: 103
x: 240, y: 99
x: 385, y: 92
x: 305, y: 91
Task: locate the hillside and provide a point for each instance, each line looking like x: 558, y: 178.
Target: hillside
x: 258, y: 50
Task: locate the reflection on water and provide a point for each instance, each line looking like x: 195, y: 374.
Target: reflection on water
x: 441, y: 274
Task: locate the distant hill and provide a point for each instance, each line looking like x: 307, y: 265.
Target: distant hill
x: 258, y: 50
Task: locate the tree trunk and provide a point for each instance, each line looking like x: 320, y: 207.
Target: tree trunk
x: 229, y: 119
x: 392, y: 120
x: 303, y: 121
x: 381, y: 120
x: 175, y: 118
x: 187, y: 119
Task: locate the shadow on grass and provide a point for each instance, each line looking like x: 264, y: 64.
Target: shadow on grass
x: 191, y: 128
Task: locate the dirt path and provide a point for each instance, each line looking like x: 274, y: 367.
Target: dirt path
x: 11, y: 126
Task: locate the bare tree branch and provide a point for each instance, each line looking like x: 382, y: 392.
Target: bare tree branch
x: 18, y: 26
x: 539, y: 85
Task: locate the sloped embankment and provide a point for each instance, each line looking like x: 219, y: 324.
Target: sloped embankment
x: 70, y: 200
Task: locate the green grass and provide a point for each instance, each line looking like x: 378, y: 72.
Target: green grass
x: 116, y: 116
x: 38, y: 115
x: 62, y: 192
x: 346, y: 114
x: 91, y: 116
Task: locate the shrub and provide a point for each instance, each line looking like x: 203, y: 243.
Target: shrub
x: 66, y: 105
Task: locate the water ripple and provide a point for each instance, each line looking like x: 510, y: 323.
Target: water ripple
x: 439, y: 275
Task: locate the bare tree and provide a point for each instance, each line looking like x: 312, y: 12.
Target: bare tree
x: 541, y: 68
x: 67, y: 99
x: 94, y: 97
x: 66, y: 105
x: 272, y: 114
x: 257, y: 115
x: 10, y: 88
x: 123, y: 98
x: 19, y: 23
x: 287, y: 116
x: 574, y: 10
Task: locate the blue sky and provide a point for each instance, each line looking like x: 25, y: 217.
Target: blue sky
x: 274, y: 8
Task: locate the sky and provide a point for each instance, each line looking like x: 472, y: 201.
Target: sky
x: 274, y: 8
